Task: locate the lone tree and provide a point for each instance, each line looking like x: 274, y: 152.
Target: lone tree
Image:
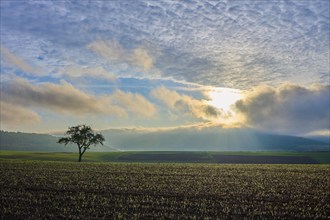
x: 83, y: 136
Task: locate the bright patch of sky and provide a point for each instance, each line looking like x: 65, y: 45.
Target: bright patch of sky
x: 129, y: 57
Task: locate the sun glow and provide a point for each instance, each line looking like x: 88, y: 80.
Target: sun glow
x: 224, y: 98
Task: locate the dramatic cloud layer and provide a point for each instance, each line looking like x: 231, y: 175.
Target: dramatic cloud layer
x: 289, y: 108
x: 63, y: 98
x: 18, y: 62
x: 113, y: 52
x: 19, y: 95
x: 165, y: 63
x: 14, y: 115
x: 185, y: 104
x: 135, y: 103
x: 233, y: 44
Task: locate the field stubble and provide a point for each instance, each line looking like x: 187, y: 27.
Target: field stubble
x: 63, y: 190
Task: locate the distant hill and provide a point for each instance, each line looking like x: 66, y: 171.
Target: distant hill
x: 210, y: 139
x: 18, y: 141
x: 324, y: 139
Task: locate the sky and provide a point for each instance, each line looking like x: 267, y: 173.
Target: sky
x: 166, y: 64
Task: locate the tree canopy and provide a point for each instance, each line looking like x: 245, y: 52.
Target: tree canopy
x: 83, y: 136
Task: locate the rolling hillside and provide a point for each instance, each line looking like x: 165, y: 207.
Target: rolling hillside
x: 18, y: 141
x: 213, y: 139
x: 173, y: 140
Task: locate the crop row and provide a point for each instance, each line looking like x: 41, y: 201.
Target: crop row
x: 31, y: 190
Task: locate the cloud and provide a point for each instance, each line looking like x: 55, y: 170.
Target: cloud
x: 141, y: 57
x: 19, y: 62
x: 135, y: 103
x: 64, y: 98
x: 61, y: 98
x: 185, y: 104
x: 324, y: 132
x: 289, y: 108
x: 90, y: 72
x: 235, y: 44
x: 195, y: 126
x: 112, y: 51
x: 14, y: 115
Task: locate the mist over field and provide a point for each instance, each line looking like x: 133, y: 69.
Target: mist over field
x: 192, y: 139
x: 210, y: 139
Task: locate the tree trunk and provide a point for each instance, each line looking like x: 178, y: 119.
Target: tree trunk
x: 80, y: 155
